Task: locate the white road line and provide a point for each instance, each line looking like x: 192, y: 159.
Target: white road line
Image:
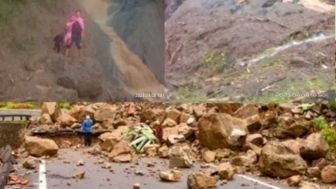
x: 258, y: 181
x: 42, y: 175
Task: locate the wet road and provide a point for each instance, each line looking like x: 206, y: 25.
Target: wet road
x: 122, y: 176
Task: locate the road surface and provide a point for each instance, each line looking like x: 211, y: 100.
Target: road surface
x: 121, y: 176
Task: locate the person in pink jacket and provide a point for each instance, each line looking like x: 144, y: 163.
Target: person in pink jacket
x: 75, y: 27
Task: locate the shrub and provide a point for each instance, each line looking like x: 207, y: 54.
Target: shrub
x: 215, y: 61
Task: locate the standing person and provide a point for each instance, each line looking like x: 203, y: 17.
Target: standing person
x: 87, y: 130
x: 75, y: 32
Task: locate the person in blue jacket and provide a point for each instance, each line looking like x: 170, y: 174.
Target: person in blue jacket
x: 87, y: 130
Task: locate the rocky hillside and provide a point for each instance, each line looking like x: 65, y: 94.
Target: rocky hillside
x: 292, y: 144
x: 249, y: 50
x: 32, y: 71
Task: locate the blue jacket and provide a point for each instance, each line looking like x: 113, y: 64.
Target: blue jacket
x: 87, y: 126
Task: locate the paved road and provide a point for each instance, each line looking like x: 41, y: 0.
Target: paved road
x: 58, y: 175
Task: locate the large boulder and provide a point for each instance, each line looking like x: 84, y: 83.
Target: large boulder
x: 105, y: 112
x: 314, y: 147
x: 79, y: 112
x: 38, y: 147
x: 64, y: 119
x: 108, y: 140
x: 277, y: 160
x: 220, y: 130
x: 120, y: 152
x: 52, y: 109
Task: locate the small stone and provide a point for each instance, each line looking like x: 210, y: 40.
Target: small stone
x: 294, y: 180
x: 80, y: 175
x: 136, y: 186
x: 80, y: 163
x: 225, y: 171
x: 29, y: 163
x: 170, y: 176
x: 209, y: 156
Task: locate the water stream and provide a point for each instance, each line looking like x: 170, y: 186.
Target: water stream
x: 276, y: 50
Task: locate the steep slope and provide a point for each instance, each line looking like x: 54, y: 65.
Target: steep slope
x: 31, y: 70
x: 136, y: 76
x: 250, y: 50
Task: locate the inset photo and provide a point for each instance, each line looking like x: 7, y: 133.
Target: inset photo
x: 85, y: 50
x: 249, y: 50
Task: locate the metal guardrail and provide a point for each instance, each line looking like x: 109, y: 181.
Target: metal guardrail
x: 14, y: 117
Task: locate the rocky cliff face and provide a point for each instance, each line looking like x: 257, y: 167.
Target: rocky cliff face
x: 140, y: 25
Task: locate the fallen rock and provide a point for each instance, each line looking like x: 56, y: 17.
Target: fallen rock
x: 65, y: 119
x: 170, y: 176
x: 163, y: 152
x: 106, y: 165
x: 29, y: 163
x: 277, y: 160
x: 78, y: 176
x: 136, y: 186
x: 80, y: 163
x: 168, y: 122
x: 52, y: 109
x: 38, y: 147
x: 328, y: 174
x: 294, y: 180
x: 45, y: 119
x: 201, y: 181
x: 313, y: 172
x: 221, y: 131
x: 245, y: 160
x: 121, y: 148
x: 314, y: 147
x: 151, y: 150
x: 209, y: 156
x: 123, y: 158
x: 225, y: 171
x: 104, y: 113
x: 108, y: 140
x: 173, y: 114
x: 180, y: 156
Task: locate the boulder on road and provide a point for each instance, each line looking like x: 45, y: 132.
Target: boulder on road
x: 225, y: 171
x: 170, y: 176
x: 277, y: 160
x: 220, y: 130
x: 38, y: 147
x: 201, y: 181
x: 180, y: 156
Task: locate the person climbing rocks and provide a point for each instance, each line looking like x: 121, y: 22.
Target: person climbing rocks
x: 75, y: 27
x: 87, y: 130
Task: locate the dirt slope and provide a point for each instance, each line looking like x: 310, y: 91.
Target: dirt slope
x: 135, y: 74
x: 220, y: 35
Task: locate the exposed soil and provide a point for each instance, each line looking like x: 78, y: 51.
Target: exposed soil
x: 242, y: 31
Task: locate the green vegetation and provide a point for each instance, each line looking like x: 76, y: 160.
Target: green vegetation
x: 65, y: 105
x: 17, y: 105
x: 327, y: 132
x: 187, y: 94
x: 291, y: 90
x: 215, y: 61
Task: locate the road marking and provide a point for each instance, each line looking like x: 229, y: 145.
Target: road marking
x: 258, y: 181
x: 42, y: 175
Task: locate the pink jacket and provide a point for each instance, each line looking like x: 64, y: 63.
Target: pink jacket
x: 68, y: 28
